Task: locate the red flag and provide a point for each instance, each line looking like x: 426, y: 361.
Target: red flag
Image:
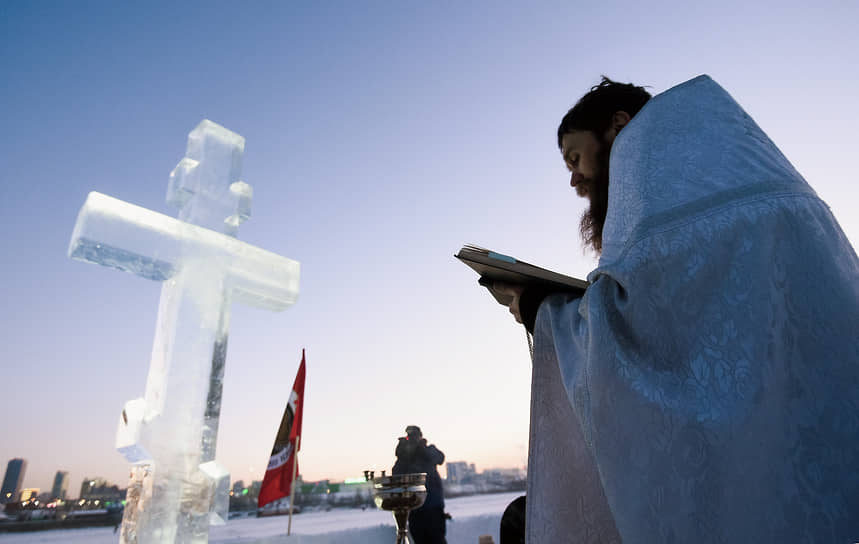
x: 277, y: 482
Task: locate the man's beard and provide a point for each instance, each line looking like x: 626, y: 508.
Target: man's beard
x: 593, y: 219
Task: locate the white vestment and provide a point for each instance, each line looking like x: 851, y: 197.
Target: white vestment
x: 706, y: 387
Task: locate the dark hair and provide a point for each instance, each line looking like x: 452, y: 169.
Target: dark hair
x: 593, y: 111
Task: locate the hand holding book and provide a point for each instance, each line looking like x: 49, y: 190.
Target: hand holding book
x: 494, y: 267
x: 510, y: 281
x: 511, y: 291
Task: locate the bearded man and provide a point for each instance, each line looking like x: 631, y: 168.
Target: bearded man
x: 706, y: 386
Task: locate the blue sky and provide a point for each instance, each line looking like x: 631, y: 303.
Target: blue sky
x: 380, y: 138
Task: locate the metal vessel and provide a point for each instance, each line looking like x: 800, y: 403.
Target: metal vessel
x: 400, y: 494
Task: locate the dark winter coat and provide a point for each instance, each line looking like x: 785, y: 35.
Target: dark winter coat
x: 416, y: 456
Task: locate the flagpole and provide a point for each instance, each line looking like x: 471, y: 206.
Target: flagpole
x: 292, y: 483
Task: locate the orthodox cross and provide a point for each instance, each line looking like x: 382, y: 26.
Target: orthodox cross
x: 177, y: 489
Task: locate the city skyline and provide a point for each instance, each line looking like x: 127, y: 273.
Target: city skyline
x: 64, y: 483
x: 379, y: 140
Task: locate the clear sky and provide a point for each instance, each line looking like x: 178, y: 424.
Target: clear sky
x: 381, y: 137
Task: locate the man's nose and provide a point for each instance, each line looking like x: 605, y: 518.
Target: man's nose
x: 575, y: 179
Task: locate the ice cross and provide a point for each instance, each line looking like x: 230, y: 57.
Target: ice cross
x: 170, y: 434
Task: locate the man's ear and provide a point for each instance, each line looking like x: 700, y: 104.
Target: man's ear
x: 619, y: 119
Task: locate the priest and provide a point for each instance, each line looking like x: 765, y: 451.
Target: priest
x: 706, y: 386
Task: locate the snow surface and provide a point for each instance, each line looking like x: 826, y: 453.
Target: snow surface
x: 472, y: 516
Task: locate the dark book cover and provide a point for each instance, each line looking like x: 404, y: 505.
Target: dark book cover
x: 493, y: 266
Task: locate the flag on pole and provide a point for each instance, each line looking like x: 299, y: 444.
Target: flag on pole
x: 277, y: 482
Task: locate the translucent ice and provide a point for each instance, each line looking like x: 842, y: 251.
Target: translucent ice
x: 177, y: 489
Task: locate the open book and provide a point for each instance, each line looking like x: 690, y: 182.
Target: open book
x: 494, y: 266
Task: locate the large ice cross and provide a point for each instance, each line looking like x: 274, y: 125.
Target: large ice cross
x: 177, y: 489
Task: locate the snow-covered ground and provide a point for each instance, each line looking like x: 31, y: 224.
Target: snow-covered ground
x: 472, y: 516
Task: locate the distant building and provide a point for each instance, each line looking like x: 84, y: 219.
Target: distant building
x: 29, y: 493
x: 90, y: 487
x: 61, y: 485
x: 255, y: 487
x: 355, y: 492
x: 503, y: 475
x: 13, y: 480
x: 99, y: 489
x: 460, y: 472
x: 238, y: 487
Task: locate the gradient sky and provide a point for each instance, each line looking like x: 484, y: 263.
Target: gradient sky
x: 381, y: 137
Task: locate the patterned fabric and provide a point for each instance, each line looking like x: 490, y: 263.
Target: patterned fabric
x: 706, y: 387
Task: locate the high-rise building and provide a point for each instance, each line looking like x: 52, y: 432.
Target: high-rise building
x: 61, y: 485
x: 13, y: 480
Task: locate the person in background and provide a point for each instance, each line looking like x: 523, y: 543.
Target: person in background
x: 414, y: 455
